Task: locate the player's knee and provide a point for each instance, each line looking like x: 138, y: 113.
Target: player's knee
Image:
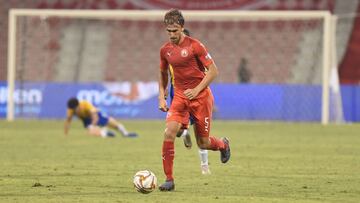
x: 179, y: 133
x: 170, y: 133
x: 203, y: 144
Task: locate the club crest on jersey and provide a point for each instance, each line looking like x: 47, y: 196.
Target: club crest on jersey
x: 184, y: 53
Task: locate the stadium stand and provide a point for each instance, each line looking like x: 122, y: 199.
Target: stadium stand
x: 61, y: 63
x: 349, y: 63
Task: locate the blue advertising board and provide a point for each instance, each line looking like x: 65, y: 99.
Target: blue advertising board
x: 48, y: 100
x: 138, y: 100
x: 268, y: 102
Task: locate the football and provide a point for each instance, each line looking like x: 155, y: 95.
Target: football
x: 145, y: 181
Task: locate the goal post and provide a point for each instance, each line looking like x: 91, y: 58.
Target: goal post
x: 304, y: 24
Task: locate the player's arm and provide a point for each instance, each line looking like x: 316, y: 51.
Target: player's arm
x: 67, y: 122
x: 212, y: 71
x: 166, y: 93
x: 163, y: 82
x: 209, y: 77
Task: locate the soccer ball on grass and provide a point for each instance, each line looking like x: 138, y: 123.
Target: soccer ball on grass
x: 145, y: 181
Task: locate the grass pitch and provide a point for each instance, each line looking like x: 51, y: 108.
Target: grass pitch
x: 271, y: 162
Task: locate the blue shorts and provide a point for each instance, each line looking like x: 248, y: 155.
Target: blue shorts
x: 171, y: 99
x: 103, y: 120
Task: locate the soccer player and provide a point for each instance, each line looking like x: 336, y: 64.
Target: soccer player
x: 94, y: 120
x: 184, y: 131
x: 192, y: 96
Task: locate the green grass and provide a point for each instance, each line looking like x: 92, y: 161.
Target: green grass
x: 271, y: 162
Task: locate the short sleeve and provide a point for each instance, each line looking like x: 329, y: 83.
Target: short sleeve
x: 91, y: 108
x: 163, y: 62
x: 202, y: 54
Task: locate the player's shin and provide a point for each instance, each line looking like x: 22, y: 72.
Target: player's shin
x: 168, y: 154
x: 216, y: 144
x: 121, y: 128
x: 204, y: 163
x: 203, y: 153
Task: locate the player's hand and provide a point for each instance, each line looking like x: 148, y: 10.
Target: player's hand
x: 191, y: 93
x: 162, y: 105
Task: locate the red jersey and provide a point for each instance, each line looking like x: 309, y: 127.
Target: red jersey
x: 188, y: 60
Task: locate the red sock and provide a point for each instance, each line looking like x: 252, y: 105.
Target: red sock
x: 216, y: 143
x: 168, y: 154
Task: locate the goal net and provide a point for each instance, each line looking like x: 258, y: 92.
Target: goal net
x: 273, y: 65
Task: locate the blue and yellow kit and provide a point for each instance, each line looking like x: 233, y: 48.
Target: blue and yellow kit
x: 84, y: 111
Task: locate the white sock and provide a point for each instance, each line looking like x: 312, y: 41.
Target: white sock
x: 185, y: 131
x: 203, y: 153
x: 103, y: 132
x: 122, y: 130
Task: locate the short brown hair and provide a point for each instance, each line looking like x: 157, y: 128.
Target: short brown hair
x: 174, y: 16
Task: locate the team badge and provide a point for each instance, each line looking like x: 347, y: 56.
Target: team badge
x: 184, y: 53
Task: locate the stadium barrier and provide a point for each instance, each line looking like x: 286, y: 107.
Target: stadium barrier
x: 139, y: 100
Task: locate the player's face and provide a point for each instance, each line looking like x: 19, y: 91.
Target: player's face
x: 174, y: 32
x: 76, y: 109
